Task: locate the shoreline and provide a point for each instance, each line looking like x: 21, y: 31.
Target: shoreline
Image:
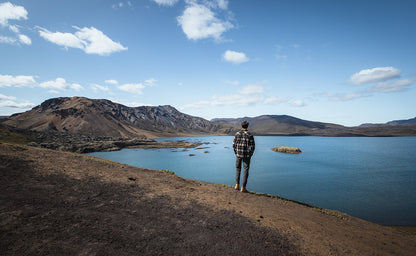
x: 67, y: 202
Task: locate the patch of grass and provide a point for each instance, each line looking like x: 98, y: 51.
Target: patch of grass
x: 337, y: 214
x: 407, y: 229
x: 168, y: 172
x: 99, y: 159
x: 9, y: 136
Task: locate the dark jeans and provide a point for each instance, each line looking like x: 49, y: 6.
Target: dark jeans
x: 246, y: 166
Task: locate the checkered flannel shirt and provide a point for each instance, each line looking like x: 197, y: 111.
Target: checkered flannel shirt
x: 243, y: 144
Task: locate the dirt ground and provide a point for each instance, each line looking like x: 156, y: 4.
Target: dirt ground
x: 58, y: 203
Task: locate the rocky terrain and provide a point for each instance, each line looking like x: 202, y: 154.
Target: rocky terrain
x: 78, y: 115
x: 81, y: 143
x: 287, y: 149
x: 60, y: 203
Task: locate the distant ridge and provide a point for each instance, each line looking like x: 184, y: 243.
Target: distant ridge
x: 105, y: 118
x: 395, y: 122
x: 279, y: 124
x: 101, y: 117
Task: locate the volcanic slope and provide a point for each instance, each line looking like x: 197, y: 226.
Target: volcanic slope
x: 105, y: 118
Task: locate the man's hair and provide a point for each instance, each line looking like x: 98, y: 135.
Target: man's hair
x: 244, y: 124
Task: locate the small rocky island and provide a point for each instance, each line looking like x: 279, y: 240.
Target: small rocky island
x: 286, y: 149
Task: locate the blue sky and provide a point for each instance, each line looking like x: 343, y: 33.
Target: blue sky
x: 345, y: 62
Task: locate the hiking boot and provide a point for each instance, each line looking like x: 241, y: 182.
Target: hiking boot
x: 244, y: 190
x: 237, y: 187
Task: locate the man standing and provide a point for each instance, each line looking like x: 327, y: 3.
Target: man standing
x: 244, y: 146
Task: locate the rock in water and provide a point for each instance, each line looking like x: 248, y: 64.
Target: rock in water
x: 285, y: 149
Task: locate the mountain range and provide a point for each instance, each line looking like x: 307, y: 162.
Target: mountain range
x: 391, y: 123
x: 100, y: 117
x: 105, y: 118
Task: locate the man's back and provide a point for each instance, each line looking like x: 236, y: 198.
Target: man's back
x: 243, y: 144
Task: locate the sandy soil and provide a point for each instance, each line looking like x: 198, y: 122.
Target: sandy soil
x: 58, y: 203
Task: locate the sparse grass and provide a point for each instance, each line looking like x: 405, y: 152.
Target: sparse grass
x: 337, y: 214
x: 406, y: 229
x: 9, y: 136
x: 103, y: 160
x: 168, y: 172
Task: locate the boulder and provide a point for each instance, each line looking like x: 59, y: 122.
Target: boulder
x: 285, y: 149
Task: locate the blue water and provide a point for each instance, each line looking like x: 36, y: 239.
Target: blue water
x: 370, y: 178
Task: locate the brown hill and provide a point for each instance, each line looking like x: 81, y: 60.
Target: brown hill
x: 280, y: 124
x: 105, y: 118
x: 292, y: 126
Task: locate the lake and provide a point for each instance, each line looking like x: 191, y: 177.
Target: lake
x: 370, y: 178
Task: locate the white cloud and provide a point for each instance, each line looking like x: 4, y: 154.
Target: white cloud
x: 166, y: 2
x: 97, y: 87
x: 96, y: 42
x: 16, y: 81
x: 345, y: 96
x: 395, y: 86
x: 15, y: 41
x: 298, y: 103
x: 251, y: 89
x: 7, y: 40
x: 246, y: 96
x: 198, y: 21
x: 111, y: 81
x: 223, y: 4
x: 132, y: 88
x: 10, y: 102
x: 4, y: 97
x: 77, y: 87
x: 29, y: 81
x: 8, y: 11
x: 25, y: 39
x: 235, y: 57
x: 13, y: 104
x: 53, y: 92
x: 90, y: 40
x: 14, y: 29
x: 122, y: 4
x: 375, y: 75
x: 63, y: 39
x: 237, y: 100
x: 137, y: 88
x: 59, y: 84
x: 275, y: 100
x: 235, y: 83
x: 150, y: 82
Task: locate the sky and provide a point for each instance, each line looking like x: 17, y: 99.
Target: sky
x: 344, y: 62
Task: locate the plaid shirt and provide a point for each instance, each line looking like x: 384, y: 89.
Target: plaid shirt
x: 243, y: 144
